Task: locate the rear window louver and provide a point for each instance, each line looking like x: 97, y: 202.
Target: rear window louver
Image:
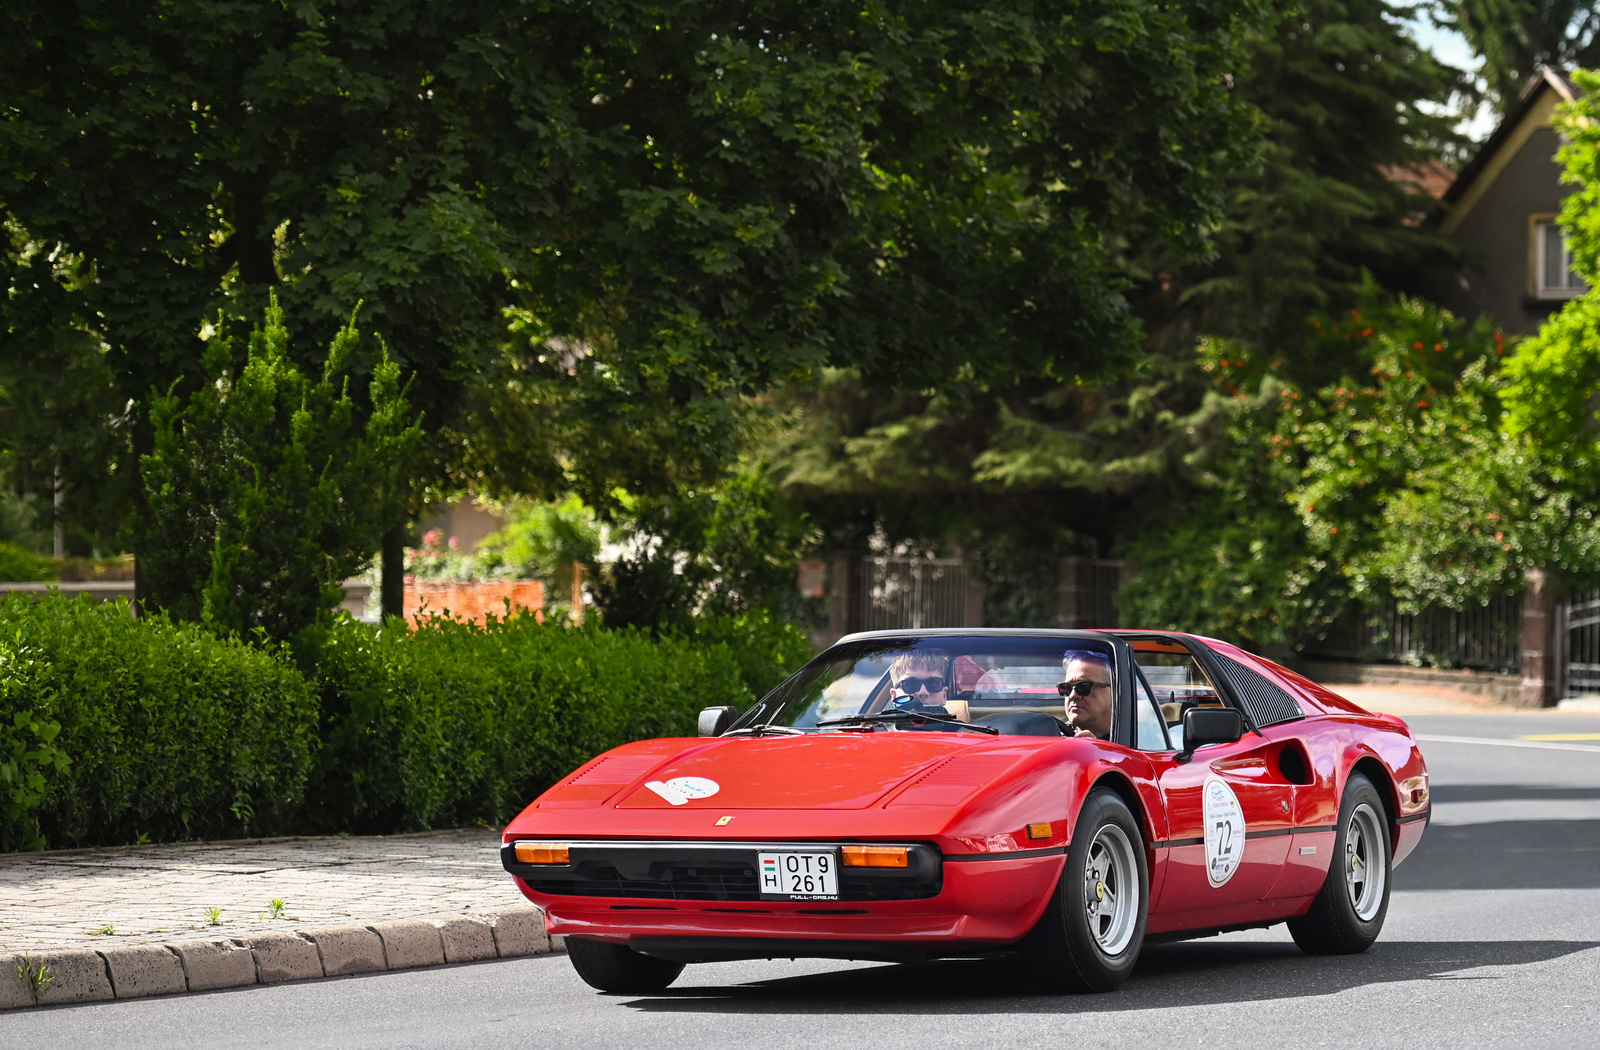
x: 1267, y: 702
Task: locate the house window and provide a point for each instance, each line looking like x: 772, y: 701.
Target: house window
x: 1557, y: 279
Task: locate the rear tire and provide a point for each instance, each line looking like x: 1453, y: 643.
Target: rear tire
x: 1348, y: 912
x: 614, y: 968
x: 1090, y: 935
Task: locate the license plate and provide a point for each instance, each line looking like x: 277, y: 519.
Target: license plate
x: 799, y: 876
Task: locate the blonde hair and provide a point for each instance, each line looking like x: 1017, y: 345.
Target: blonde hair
x: 919, y: 660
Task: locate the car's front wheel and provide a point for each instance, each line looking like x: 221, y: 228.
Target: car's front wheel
x: 614, y: 968
x: 1348, y: 913
x: 1093, y: 928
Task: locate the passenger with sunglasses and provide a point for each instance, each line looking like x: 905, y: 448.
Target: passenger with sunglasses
x: 1086, y: 690
x: 920, y: 681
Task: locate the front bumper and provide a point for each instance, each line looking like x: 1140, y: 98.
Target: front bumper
x: 692, y: 900
x: 720, y: 872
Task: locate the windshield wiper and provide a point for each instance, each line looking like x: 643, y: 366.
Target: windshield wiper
x: 763, y: 730
x: 900, y: 716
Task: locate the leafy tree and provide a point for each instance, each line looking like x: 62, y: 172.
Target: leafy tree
x: 272, y: 480
x: 1506, y: 471
x: 1448, y: 464
x: 675, y: 204
x: 1348, y: 123
x: 1232, y: 559
x: 1357, y: 117
x: 60, y: 412
x: 1312, y: 507
x: 1413, y: 421
x: 1515, y: 37
x: 723, y: 550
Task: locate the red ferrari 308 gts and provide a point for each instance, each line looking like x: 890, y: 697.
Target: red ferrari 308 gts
x: 915, y: 794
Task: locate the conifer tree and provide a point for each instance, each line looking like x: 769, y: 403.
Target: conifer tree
x: 1515, y: 37
x: 266, y: 488
x: 1350, y: 132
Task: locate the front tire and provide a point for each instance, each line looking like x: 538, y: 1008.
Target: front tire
x: 1348, y: 912
x: 614, y: 968
x: 1090, y: 935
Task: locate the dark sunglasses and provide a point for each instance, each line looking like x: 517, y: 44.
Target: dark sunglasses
x: 1082, y: 688
x: 912, y: 686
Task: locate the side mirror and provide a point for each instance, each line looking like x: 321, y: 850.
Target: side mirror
x: 1209, y: 725
x: 714, y: 721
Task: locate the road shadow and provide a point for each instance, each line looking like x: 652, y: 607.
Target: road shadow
x: 1514, y: 854
x: 1196, y: 973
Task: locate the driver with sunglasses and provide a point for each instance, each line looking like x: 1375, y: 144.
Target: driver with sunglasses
x: 920, y: 682
x: 1086, y: 690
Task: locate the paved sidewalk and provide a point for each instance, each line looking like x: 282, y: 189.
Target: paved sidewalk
x: 159, y: 894
x: 1420, y: 700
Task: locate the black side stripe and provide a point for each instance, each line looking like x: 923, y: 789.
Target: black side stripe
x: 1415, y: 816
x: 1021, y: 854
x: 1309, y: 829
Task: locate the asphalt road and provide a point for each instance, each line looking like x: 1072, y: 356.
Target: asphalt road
x: 1493, y: 939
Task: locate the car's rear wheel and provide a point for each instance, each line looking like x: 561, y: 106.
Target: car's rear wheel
x: 1093, y: 928
x: 614, y: 968
x: 1348, y: 913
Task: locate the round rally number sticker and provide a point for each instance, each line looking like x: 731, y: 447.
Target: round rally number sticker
x: 1224, y: 831
x: 680, y: 790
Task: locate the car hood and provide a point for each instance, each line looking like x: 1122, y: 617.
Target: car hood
x: 824, y: 771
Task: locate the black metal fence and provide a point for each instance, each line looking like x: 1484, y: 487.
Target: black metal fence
x: 897, y: 593
x: 1577, y: 632
x: 1486, y: 637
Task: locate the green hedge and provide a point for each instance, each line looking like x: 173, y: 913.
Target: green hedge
x: 20, y: 565
x: 168, y: 732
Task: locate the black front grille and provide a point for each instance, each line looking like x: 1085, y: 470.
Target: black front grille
x: 725, y: 883
x: 676, y: 874
x: 679, y: 883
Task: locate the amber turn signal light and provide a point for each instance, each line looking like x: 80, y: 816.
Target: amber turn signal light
x: 541, y: 853
x: 1039, y: 831
x: 875, y: 857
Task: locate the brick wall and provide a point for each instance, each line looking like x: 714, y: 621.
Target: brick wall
x: 471, y: 601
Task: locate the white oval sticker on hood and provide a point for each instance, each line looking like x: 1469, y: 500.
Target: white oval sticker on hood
x: 680, y: 790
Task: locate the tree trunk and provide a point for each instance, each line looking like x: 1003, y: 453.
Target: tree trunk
x: 392, y: 592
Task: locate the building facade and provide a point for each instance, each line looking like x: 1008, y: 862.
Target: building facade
x: 1502, y: 208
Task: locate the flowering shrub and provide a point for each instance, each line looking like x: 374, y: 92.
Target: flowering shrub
x: 1376, y: 482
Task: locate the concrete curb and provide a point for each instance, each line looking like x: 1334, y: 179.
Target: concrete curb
x: 47, y: 978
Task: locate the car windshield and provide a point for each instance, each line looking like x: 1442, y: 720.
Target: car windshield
x: 905, y: 680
